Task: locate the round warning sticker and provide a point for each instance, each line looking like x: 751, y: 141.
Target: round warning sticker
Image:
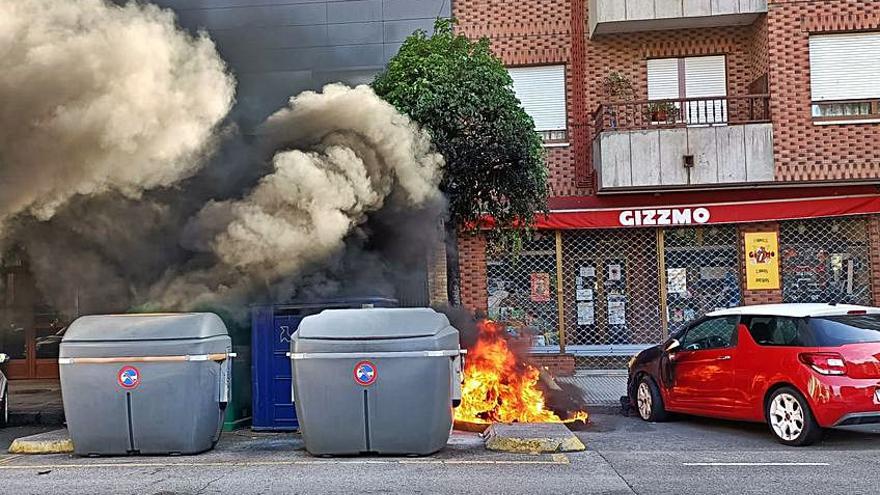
x: 128, y: 377
x: 365, y: 373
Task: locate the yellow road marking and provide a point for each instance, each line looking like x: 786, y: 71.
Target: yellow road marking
x: 555, y: 460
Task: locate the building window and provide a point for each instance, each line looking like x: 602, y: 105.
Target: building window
x: 541, y: 91
x: 690, y: 90
x: 844, y: 75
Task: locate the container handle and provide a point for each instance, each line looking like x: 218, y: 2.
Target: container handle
x: 376, y: 355
x: 220, y: 356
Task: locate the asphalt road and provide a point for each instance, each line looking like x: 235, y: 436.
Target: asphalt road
x: 624, y: 455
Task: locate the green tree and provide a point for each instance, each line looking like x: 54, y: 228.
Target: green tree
x: 460, y: 92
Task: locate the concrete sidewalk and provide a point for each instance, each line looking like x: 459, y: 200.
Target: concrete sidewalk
x: 35, y: 402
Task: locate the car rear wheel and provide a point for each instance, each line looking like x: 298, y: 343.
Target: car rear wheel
x: 648, y: 400
x: 790, y: 418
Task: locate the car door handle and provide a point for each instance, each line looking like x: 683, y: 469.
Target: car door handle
x: 723, y: 358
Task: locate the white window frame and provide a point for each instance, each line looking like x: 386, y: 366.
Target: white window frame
x: 845, y: 78
x: 532, y: 86
x: 671, y: 82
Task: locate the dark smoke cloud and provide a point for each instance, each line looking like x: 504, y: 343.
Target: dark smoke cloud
x: 157, y: 204
x: 97, y: 98
x: 345, y: 154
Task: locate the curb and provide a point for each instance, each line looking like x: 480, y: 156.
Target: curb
x: 532, y: 438
x: 50, y: 442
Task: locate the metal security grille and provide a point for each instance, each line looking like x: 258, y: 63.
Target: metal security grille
x: 522, y: 288
x: 825, y: 260
x: 701, y: 272
x: 611, y: 294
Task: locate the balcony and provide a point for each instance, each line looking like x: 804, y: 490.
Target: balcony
x: 623, y: 16
x: 683, y: 143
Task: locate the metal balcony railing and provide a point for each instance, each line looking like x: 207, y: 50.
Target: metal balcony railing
x: 681, y: 112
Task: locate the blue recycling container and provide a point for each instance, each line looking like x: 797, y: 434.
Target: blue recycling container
x: 272, y: 327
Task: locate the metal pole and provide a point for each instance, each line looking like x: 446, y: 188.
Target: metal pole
x: 661, y: 272
x: 560, y: 300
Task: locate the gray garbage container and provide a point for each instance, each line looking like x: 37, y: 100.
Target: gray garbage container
x: 376, y: 380
x: 147, y: 384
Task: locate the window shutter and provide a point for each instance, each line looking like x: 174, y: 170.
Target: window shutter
x: 705, y: 76
x: 845, y: 66
x: 662, y: 78
x: 541, y: 91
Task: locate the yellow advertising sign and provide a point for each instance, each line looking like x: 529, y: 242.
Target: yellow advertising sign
x: 762, y: 260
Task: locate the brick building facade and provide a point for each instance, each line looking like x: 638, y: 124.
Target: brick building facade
x: 769, y: 153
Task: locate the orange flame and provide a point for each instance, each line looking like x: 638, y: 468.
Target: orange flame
x: 498, y: 387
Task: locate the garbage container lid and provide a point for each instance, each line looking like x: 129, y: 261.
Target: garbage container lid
x: 148, y: 326
x: 372, y: 323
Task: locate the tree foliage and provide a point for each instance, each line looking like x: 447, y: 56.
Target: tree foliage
x: 463, y: 96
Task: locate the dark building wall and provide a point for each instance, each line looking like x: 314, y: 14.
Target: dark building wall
x: 278, y: 48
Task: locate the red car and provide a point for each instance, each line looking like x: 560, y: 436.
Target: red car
x: 798, y: 367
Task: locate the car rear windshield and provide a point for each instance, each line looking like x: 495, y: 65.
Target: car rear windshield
x: 833, y: 331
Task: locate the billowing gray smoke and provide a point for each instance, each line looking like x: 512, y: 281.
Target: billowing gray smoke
x: 108, y: 120
x: 344, y: 153
x: 96, y: 98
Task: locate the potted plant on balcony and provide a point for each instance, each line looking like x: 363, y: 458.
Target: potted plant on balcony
x: 617, y: 88
x: 662, y: 111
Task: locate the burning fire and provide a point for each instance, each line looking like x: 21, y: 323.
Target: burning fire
x: 498, y: 387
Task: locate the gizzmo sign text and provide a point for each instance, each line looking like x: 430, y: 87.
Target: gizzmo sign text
x: 664, y: 216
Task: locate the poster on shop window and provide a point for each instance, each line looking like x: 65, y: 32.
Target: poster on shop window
x: 586, y: 313
x: 762, y: 260
x: 584, y: 294
x: 540, y: 287
x: 615, y: 273
x: 616, y: 309
x: 676, y: 281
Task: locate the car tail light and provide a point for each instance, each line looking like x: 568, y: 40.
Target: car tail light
x: 825, y: 363
x: 857, y: 312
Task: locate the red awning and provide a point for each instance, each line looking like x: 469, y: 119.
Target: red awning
x: 708, y: 213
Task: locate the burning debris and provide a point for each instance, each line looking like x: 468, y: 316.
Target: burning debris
x: 501, y: 386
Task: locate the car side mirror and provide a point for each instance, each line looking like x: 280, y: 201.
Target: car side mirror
x: 673, y: 345
x: 4, y: 358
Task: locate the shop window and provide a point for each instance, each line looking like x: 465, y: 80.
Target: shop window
x: 522, y: 290
x: 48, y: 329
x: 611, y: 290
x: 701, y: 272
x: 541, y: 91
x: 844, y: 71
x: 825, y: 261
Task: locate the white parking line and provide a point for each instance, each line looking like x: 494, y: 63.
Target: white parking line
x: 755, y: 464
